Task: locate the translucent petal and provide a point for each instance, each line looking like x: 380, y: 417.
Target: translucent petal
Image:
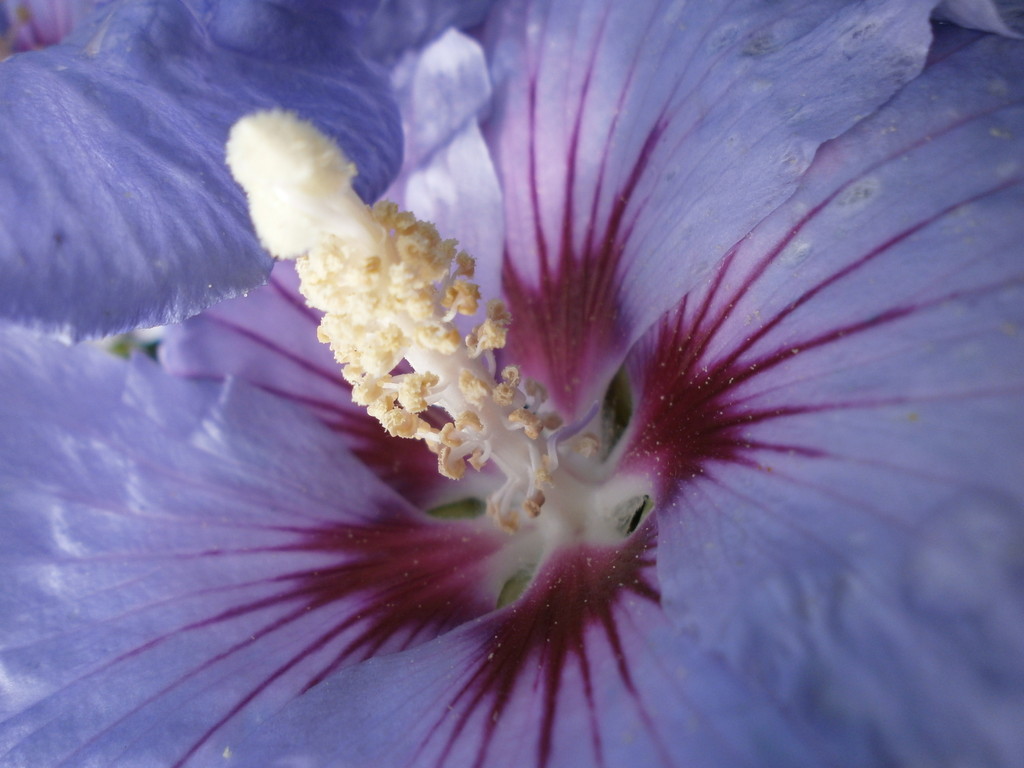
x: 447, y: 176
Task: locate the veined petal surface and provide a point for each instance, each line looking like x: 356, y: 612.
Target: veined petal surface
x: 585, y: 670
x: 179, y: 559
x: 838, y: 576
x: 636, y: 142
x: 268, y: 339
x: 830, y: 415
x: 836, y: 422
x: 118, y: 210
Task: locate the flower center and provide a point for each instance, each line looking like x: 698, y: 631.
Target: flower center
x: 393, y: 291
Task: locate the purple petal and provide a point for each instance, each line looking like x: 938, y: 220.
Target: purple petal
x: 585, y: 670
x: 448, y: 176
x: 636, y: 142
x: 178, y: 560
x: 401, y: 25
x: 1004, y: 17
x: 118, y: 209
x: 836, y: 425
x: 268, y: 338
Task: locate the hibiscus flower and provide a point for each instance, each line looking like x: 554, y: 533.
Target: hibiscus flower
x: 769, y: 255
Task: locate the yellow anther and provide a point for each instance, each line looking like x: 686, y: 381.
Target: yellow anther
x: 391, y: 217
x: 421, y: 249
x: 535, y: 391
x: 448, y: 437
x: 413, y: 390
x: 498, y: 312
x: 462, y: 297
x: 439, y: 337
x: 505, y: 518
x: 504, y: 394
x: 382, y: 352
x: 371, y: 267
x: 533, y: 504
x: 476, y: 461
x: 542, y: 475
x: 400, y: 423
x: 381, y: 406
x: 531, y: 422
x: 368, y: 390
x: 467, y: 420
x: 552, y: 421
x: 453, y: 469
x: 353, y: 374
x: 465, y: 265
x: 474, y: 389
x: 492, y: 333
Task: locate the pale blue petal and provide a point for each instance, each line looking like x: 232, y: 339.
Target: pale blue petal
x: 584, y: 671
x: 118, y: 210
x: 836, y: 423
x: 637, y: 142
x: 397, y: 26
x: 448, y: 177
x: 178, y: 560
x: 268, y: 339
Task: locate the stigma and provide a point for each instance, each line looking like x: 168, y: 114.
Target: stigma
x: 395, y: 295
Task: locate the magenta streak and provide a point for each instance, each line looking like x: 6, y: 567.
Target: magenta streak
x: 846, y: 272
x: 759, y: 269
x: 542, y: 246
x: 697, y: 340
x: 330, y: 376
x: 385, y: 613
x: 411, y: 585
x: 295, y: 300
x: 589, y: 246
x: 781, y: 355
x: 667, y: 117
x: 576, y: 591
x: 576, y: 297
x: 724, y: 375
x: 564, y: 352
x: 372, y: 445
